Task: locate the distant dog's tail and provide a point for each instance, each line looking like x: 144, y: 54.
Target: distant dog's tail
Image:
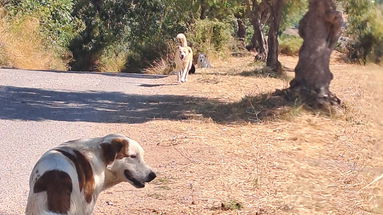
x: 182, y: 40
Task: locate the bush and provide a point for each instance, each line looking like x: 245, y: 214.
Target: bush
x: 212, y: 37
x: 17, y: 49
x: 57, y: 24
x: 365, y: 30
x: 112, y: 59
x: 146, y: 53
x: 290, y: 45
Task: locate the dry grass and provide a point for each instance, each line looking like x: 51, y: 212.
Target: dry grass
x: 21, y: 46
x: 303, y: 164
x: 114, y: 63
x: 160, y: 67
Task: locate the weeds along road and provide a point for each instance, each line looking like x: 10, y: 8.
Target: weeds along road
x: 41, y: 109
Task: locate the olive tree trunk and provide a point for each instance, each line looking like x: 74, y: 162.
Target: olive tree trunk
x: 258, y: 15
x: 204, y: 8
x: 272, y: 61
x: 320, y: 29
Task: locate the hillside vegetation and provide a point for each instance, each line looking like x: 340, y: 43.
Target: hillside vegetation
x: 131, y: 36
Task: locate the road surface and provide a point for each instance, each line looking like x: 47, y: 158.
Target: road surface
x: 40, y: 109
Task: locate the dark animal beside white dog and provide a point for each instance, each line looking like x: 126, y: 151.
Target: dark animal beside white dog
x: 68, y: 179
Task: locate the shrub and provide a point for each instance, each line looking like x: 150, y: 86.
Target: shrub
x: 290, y: 45
x: 57, y: 24
x: 365, y: 30
x: 17, y: 49
x: 112, y: 59
x: 210, y: 36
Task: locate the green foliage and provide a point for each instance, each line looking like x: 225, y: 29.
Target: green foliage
x: 293, y: 13
x: 105, y: 24
x: 290, y: 45
x: 139, y: 28
x: 222, y: 9
x: 58, y: 25
x: 365, y: 29
x: 112, y: 58
x: 210, y: 36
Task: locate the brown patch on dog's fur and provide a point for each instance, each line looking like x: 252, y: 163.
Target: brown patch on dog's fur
x: 84, y: 172
x: 117, y: 149
x: 58, y: 186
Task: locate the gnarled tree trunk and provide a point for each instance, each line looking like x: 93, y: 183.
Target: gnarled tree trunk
x: 320, y: 29
x: 241, y: 32
x: 272, y: 40
x: 204, y: 8
x: 258, y: 15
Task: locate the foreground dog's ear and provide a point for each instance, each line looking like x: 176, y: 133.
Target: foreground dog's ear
x: 116, y: 149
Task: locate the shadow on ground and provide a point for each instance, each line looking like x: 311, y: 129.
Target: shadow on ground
x: 263, y: 72
x: 115, y: 107
x: 113, y: 74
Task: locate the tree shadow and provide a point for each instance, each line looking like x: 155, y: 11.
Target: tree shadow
x: 254, y: 109
x: 263, y: 72
x: 112, y: 74
x: 17, y: 103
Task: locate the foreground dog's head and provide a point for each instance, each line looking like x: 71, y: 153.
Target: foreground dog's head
x: 125, y: 159
x: 183, y: 52
x: 181, y: 39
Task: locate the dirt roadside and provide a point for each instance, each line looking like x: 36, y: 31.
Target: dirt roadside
x: 207, y: 164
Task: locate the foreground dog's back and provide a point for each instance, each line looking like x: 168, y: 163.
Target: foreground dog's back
x: 69, y: 178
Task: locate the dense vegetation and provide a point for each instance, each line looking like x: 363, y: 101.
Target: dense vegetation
x: 129, y: 35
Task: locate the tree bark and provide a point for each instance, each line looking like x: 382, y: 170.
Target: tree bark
x: 241, y: 32
x: 204, y: 8
x: 320, y: 29
x: 258, y: 41
x: 272, y: 40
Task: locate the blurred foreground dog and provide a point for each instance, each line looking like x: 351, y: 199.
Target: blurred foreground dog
x: 68, y: 179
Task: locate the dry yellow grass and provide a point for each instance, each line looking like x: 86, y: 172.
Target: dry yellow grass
x: 306, y: 164
x: 21, y: 46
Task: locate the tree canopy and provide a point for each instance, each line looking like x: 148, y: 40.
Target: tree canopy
x: 141, y: 31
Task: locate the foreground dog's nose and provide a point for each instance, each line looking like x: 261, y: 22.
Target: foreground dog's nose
x: 151, y: 176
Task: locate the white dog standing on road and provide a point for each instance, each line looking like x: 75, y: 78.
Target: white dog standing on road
x: 68, y: 179
x: 183, y: 58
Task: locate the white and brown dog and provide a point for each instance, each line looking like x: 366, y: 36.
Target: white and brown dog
x: 68, y: 179
x: 183, y: 58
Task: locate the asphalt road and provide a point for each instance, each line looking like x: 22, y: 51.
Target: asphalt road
x: 41, y: 109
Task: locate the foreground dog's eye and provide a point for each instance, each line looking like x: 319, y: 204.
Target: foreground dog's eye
x: 133, y: 156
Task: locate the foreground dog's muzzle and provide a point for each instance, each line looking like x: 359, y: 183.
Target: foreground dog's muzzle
x: 151, y: 176
x: 137, y: 183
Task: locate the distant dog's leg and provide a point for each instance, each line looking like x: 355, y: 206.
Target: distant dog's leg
x: 180, y: 79
x: 187, y: 69
x: 178, y: 70
x: 188, y: 63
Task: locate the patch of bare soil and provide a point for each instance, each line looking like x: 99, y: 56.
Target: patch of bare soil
x: 211, y: 159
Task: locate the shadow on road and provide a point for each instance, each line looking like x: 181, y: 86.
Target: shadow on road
x: 93, y: 106
x: 113, y: 74
x: 33, y: 104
